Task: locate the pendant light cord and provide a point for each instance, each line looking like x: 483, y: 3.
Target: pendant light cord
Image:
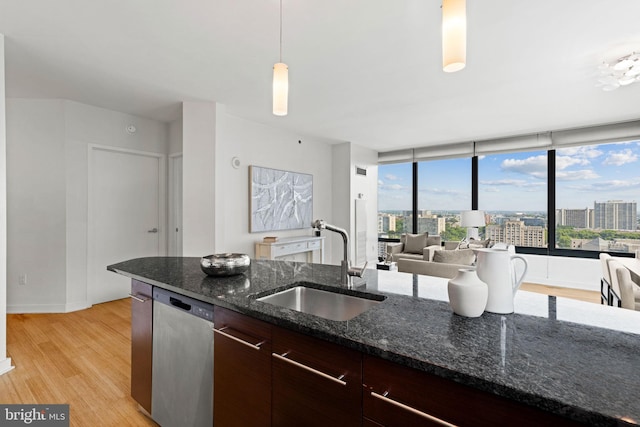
x: 280, y: 30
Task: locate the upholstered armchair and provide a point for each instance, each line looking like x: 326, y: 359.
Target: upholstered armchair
x: 414, y: 246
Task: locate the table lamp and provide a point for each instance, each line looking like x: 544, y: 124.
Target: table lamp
x: 472, y: 220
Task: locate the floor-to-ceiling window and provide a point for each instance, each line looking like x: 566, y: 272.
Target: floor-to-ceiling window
x: 395, y: 202
x: 444, y: 190
x: 571, y: 192
x: 597, y: 189
x: 512, y: 190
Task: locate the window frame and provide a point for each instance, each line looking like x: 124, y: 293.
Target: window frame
x: 550, y: 250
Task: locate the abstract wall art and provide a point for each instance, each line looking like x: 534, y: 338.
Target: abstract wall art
x: 279, y: 200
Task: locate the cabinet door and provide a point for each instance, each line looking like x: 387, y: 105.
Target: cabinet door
x: 398, y: 396
x: 141, y: 342
x: 241, y: 370
x: 314, y: 382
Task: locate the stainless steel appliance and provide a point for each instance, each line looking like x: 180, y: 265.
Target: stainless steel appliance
x: 182, y: 389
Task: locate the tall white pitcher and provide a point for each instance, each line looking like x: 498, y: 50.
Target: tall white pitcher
x: 496, y: 267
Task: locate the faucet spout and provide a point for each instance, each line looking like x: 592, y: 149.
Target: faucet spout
x: 347, y: 270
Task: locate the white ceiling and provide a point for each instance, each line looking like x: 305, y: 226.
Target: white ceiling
x: 365, y: 71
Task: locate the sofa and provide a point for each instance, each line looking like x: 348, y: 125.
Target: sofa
x: 413, y: 246
x: 439, y: 262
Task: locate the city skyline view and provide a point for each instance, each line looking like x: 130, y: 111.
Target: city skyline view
x: 517, y: 182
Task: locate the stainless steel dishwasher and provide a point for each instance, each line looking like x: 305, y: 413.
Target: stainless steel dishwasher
x: 182, y: 387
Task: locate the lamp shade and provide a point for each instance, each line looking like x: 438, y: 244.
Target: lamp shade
x: 280, y: 89
x: 454, y: 35
x: 472, y: 219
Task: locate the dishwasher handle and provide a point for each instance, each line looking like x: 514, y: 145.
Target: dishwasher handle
x: 179, y: 304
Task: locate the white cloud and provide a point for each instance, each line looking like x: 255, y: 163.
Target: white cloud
x: 394, y: 187
x: 608, y: 186
x: 380, y: 183
x: 576, y: 175
x: 563, y: 162
x: 584, y: 152
x: 444, y: 191
x: 512, y: 182
x: 516, y: 182
x: 535, y: 166
x: 392, y: 177
x: 620, y: 158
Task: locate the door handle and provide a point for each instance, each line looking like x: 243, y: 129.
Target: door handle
x: 153, y: 230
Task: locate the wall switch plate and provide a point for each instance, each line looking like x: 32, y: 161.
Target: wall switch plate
x: 22, y: 279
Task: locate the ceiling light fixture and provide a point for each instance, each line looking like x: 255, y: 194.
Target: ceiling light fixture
x: 454, y: 35
x: 280, y: 81
x: 622, y: 72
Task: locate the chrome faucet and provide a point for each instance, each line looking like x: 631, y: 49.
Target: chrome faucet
x: 347, y: 270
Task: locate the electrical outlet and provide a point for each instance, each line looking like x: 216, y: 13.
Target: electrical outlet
x: 22, y: 279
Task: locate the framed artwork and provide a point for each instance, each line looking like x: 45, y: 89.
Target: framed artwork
x: 279, y: 200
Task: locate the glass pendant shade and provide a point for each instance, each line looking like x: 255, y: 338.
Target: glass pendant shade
x: 280, y: 89
x: 454, y: 35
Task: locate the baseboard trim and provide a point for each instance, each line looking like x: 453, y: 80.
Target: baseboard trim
x: 47, y: 308
x: 6, y: 366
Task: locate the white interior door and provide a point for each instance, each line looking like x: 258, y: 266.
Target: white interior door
x: 125, y: 216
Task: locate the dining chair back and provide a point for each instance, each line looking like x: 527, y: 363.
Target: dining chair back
x: 605, y: 280
x: 629, y: 291
x: 614, y: 290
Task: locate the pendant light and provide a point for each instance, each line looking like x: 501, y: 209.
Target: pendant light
x: 280, y: 81
x: 454, y: 35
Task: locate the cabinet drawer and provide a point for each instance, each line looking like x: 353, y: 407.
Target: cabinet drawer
x: 241, y: 370
x: 289, y: 248
x: 141, y: 343
x: 394, y: 395
x: 314, y: 245
x: 315, y: 383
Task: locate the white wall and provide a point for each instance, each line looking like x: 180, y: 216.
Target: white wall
x: 578, y: 273
x: 5, y: 362
x: 368, y: 188
x: 48, y: 150
x: 175, y: 136
x: 36, y: 213
x: 198, y: 178
x: 342, y: 200
x: 347, y: 186
x: 261, y: 145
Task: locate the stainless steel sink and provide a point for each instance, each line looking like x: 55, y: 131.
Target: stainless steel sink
x: 329, y: 305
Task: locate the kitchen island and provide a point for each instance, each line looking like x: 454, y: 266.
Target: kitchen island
x: 574, y: 359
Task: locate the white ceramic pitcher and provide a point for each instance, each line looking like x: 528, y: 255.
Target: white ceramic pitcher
x: 496, y: 267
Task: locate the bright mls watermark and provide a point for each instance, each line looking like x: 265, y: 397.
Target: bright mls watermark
x: 34, y: 415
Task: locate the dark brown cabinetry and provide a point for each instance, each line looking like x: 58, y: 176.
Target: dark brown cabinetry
x: 141, y: 343
x: 315, y: 383
x: 241, y: 370
x: 394, y: 395
x: 267, y: 375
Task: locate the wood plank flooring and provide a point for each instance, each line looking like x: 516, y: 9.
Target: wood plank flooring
x: 579, y: 294
x: 81, y: 358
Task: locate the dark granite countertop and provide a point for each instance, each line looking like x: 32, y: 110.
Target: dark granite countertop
x: 572, y: 358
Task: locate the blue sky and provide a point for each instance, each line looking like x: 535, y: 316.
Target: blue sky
x: 517, y: 181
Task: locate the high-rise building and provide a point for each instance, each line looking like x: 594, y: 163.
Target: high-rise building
x: 578, y: 218
x: 615, y: 215
x: 518, y: 234
x: 386, y: 223
x: 432, y: 224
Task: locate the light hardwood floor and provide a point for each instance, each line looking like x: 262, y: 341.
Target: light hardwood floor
x: 579, y: 294
x: 81, y: 358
